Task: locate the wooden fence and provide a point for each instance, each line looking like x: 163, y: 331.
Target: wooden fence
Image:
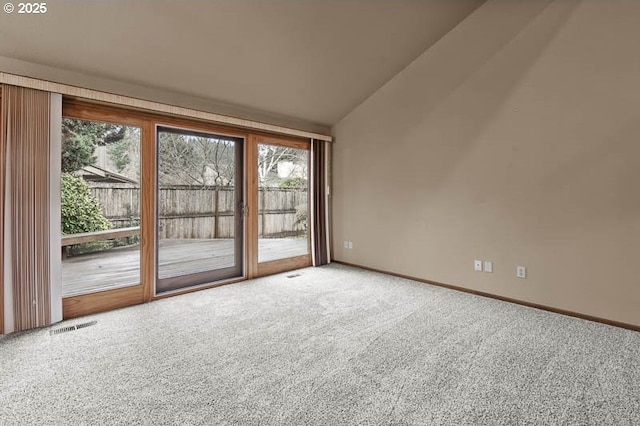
x: 205, y: 212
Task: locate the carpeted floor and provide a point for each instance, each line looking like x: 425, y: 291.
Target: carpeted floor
x: 333, y: 346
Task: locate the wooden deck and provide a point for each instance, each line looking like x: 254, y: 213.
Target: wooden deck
x: 120, y: 267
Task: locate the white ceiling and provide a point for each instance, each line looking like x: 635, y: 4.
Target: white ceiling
x: 313, y: 60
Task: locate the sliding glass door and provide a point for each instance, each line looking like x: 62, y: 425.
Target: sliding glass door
x: 200, y: 208
x: 155, y: 205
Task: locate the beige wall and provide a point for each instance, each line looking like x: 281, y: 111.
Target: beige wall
x: 515, y: 139
x: 63, y: 76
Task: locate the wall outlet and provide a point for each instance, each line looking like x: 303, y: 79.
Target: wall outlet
x: 477, y: 265
x: 488, y: 266
x: 346, y: 244
x: 521, y: 272
x: 350, y: 244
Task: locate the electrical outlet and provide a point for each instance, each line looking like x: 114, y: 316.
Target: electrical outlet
x: 346, y: 244
x: 350, y: 244
x: 477, y: 265
x: 521, y: 272
x: 488, y: 266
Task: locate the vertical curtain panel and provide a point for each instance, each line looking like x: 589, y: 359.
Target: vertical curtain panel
x: 3, y: 171
x: 25, y: 157
x: 319, y: 183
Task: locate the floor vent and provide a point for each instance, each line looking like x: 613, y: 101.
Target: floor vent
x: 73, y: 327
x: 293, y: 275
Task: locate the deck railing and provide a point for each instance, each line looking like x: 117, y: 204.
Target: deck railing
x: 109, y: 234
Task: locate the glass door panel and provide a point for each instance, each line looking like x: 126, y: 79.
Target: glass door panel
x: 283, y: 202
x: 199, y: 208
x: 100, y: 206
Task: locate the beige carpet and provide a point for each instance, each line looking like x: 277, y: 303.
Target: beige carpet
x: 332, y: 346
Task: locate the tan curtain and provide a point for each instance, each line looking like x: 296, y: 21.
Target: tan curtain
x: 25, y: 183
x: 319, y: 187
x: 3, y: 169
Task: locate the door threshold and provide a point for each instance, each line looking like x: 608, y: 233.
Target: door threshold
x: 176, y: 292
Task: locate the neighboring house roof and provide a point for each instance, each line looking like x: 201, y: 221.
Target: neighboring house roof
x: 97, y: 174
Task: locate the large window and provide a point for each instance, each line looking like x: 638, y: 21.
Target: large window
x: 283, y: 202
x: 153, y: 205
x: 100, y: 206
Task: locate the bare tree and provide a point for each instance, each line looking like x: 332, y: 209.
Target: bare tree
x: 199, y: 161
x: 269, y: 156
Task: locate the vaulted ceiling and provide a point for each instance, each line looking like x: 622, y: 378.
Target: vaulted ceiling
x: 313, y: 60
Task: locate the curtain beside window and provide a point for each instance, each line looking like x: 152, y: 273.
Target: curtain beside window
x: 25, y: 196
x: 320, y: 202
x: 3, y: 172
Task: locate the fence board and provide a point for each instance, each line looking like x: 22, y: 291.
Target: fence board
x: 203, y: 212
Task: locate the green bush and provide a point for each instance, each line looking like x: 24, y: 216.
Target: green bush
x: 80, y: 211
x: 293, y: 182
